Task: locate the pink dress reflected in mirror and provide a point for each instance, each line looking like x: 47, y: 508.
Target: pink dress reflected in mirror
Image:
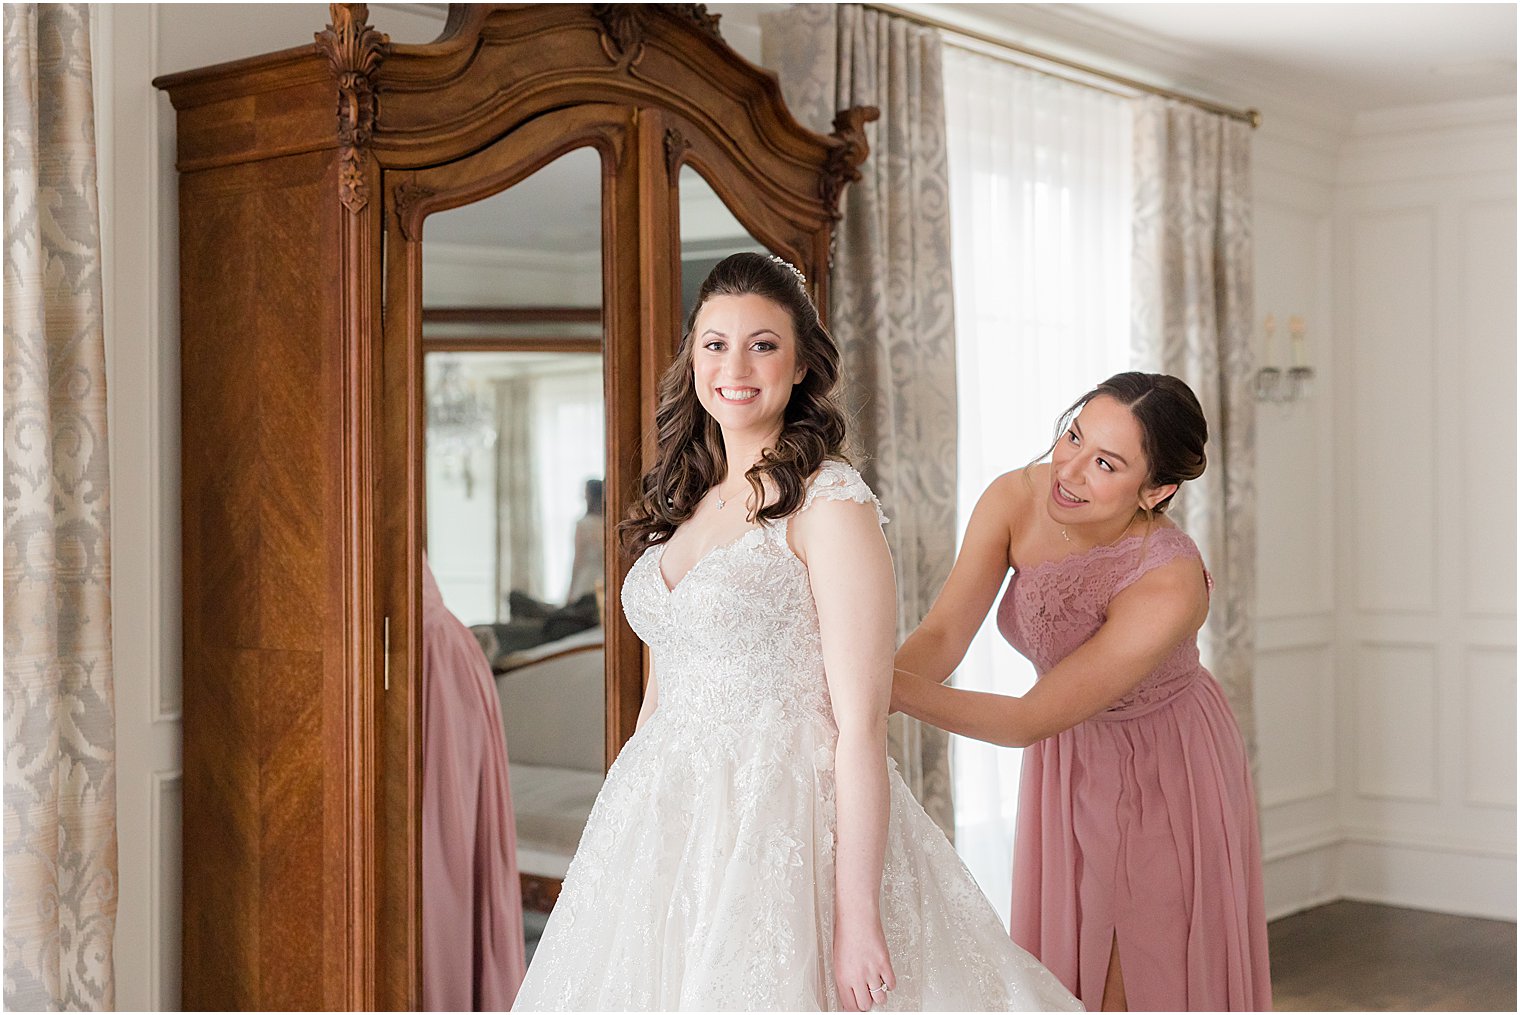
x: 472, y: 920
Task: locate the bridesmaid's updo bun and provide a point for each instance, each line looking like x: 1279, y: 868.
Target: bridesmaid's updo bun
x: 1173, y: 429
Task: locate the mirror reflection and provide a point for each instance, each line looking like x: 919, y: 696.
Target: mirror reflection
x: 709, y: 233
x: 513, y: 598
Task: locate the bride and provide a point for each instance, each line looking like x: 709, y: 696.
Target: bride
x: 750, y: 848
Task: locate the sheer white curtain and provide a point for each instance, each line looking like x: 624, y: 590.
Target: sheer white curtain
x: 1040, y: 201
x: 569, y: 438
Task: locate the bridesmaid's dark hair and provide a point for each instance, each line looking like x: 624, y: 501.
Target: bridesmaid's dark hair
x: 691, y: 458
x: 1173, y: 429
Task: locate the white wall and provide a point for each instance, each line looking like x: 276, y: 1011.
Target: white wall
x: 1385, y: 682
x: 1294, y: 173
x: 1425, y: 533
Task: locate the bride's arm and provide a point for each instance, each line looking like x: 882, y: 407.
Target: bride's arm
x: 850, y: 570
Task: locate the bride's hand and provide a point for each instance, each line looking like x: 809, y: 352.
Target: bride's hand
x: 861, y: 962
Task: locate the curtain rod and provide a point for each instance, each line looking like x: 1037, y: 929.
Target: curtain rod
x: 1251, y: 116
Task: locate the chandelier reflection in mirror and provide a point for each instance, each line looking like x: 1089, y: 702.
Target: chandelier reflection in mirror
x: 460, y: 422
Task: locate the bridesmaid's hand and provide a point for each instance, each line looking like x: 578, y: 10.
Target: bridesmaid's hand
x: 861, y: 963
x: 900, y: 678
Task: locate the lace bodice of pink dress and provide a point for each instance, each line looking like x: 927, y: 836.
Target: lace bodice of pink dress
x: 1056, y: 606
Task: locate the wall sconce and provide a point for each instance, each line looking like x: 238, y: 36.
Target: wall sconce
x: 1274, y: 384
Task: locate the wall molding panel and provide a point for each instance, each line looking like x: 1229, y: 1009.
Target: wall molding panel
x: 1488, y: 752
x: 1295, y: 683
x: 1396, y: 705
x: 1425, y: 277
x: 1298, y: 760
x: 1393, y: 304
x: 164, y: 908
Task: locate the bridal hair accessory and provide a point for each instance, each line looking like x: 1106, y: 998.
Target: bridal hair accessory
x: 801, y: 278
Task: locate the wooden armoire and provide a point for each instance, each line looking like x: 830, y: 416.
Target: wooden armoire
x: 306, y: 179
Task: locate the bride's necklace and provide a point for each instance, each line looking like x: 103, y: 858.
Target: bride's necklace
x: 722, y: 500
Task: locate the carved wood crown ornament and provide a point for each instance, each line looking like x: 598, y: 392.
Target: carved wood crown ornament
x: 843, y: 165
x: 354, y: 50
x: 623, y: 26
x: 676, y: 147
x: 405, y: 198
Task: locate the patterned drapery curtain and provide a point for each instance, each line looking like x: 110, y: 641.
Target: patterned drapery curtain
x: 893, y: 303
x: 1192, y: 277
x: 519, y: 544
x: 60, y: 772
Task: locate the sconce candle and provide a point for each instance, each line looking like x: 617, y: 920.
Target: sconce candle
x: 1296, y: 329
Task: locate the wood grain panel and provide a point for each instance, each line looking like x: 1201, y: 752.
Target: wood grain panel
x: 254, y: 568
x: 291, y: 849
x: 219, y: 481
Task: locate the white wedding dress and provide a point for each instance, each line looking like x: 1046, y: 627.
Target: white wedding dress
x: 705, y: 875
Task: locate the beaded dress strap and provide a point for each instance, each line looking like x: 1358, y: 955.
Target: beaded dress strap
x: 839, y: 481
x: 834, y: 480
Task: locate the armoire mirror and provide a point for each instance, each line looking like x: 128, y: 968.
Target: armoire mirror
x: 313, y: 183
x: 709, y: 233
x: 515, y: 451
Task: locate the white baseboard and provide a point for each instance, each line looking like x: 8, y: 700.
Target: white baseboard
x: 1420, y: 876
x: 1301, y: 875
x: 1458, y: 878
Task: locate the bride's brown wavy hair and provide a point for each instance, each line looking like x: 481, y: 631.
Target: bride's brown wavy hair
x: 691, y: 458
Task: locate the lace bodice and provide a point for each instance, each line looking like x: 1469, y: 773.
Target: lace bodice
x: 737, y: 638
x: 1053, y: 607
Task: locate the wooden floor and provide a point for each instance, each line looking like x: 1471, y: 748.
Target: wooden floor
x: 1354, y: 956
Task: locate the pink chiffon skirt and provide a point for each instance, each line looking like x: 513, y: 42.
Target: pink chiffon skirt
x: 472, y: 922
x: 1140, y: 828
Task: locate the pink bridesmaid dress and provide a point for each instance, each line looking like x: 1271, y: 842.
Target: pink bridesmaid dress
x: 472, y: 921
x: 1139, y: 824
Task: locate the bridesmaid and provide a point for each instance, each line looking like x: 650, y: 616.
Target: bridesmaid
x: 1137, y: 865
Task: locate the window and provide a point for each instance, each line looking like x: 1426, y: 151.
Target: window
x: 1040, y: 198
